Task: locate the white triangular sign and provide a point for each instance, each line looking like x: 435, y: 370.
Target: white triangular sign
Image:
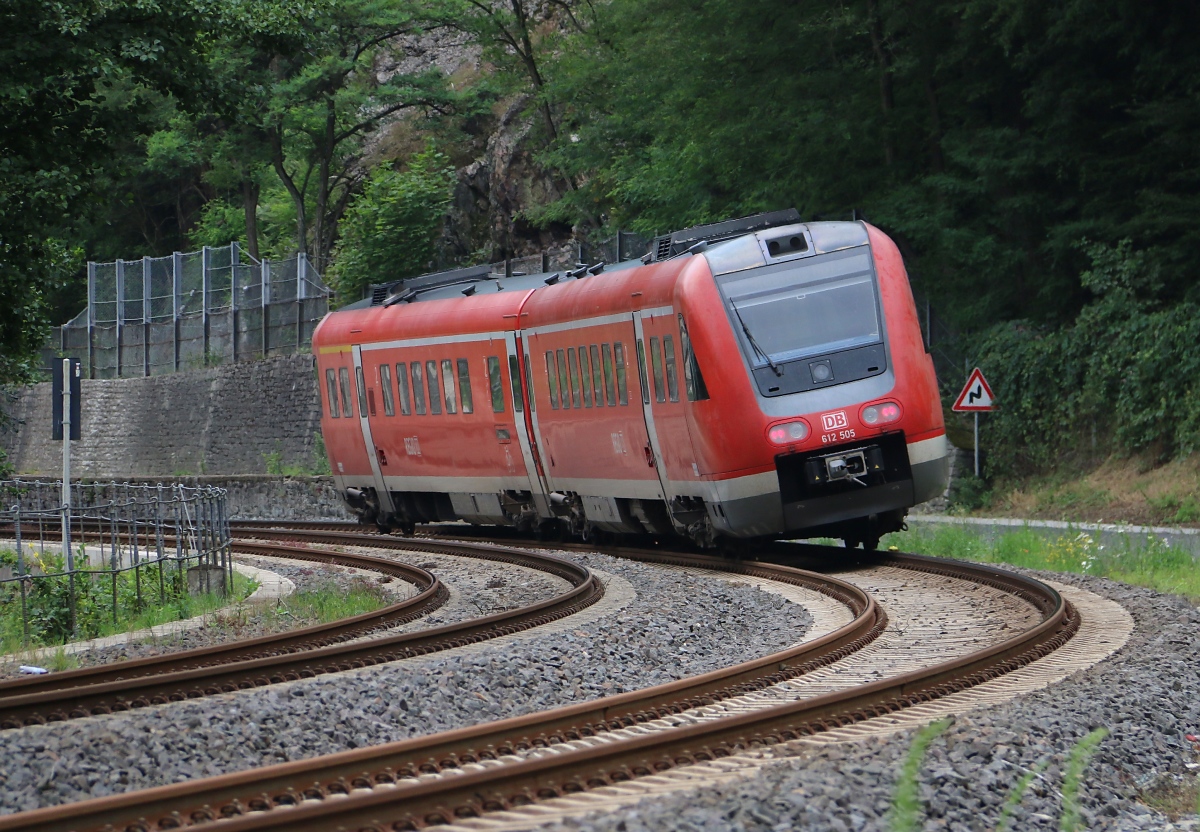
x: 976, y: 396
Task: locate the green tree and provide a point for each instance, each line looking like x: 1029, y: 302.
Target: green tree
x: 390, y: 229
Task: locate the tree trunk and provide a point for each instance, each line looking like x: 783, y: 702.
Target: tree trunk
x: 293, y: 191
x: 250, y: 207
x: 884, y: 60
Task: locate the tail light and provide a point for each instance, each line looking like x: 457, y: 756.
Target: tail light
x: 880, y: 414
x: 788, y: 432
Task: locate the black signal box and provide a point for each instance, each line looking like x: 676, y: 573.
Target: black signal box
x: 56, y: 388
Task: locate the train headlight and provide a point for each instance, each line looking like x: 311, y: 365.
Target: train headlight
x: 880, y: 414
x: 788, y: 433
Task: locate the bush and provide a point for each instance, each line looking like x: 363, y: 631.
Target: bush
x: 1123, y: 377
x: 390, y: 229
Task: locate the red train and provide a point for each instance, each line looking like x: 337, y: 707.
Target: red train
x: 758, y: 378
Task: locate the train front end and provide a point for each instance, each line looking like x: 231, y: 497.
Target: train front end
x: 831, y: 422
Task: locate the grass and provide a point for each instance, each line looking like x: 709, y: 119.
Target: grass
x: 1135, y: 559
x: 331, y: 603
x: 905, y: 812
x: 1080, y: 755
x: 12, y: 637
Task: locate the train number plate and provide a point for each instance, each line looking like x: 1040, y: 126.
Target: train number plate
x: 837, y: 436
x: 836, y: 427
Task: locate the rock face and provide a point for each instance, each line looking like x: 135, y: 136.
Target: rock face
x: 237, y: 419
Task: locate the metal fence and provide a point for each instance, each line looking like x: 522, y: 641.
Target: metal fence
x: 123, y: 548
x: 217, y: 305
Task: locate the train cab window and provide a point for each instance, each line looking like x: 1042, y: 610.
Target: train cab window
x: 573, y: 361
x: 552, y: 375
x: 563, y: 388
x: 619, y: 356
x: 693, y: 381
x: 609, y: 389
x: 597, y: 377
x: 641, y: 350
x: 402, y: 388
x: 331, y: 390
x: 431, y: 383
x: 496, y: 383
x: 385, y: 384
x: 464, y: 386
x: 344, y: 379
x: 660, y: 393
x: 669, y: 362
x: 585, y: 376
x: 362, y: 391
x: 418, y: 377
x: 448, y: 385
x: 514, y: 375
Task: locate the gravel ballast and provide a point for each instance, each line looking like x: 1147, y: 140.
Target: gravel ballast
x: 1147, y: 695
x: 679, y: 625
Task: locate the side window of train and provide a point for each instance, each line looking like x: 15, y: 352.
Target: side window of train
x: 402, y: 388
x: 331, y: 391
x: 620, y: 356
x: 385, y: 384
x: 418, y: 377
x: 574, y: 363
x: 448, y: 385
x: 362, y: 391
x: 496, y: 383
x: 514, y: 374
x: 660, y: 393
x: 464, y: 386
x: 585, y: 376
x: 641, y: 350
x: 597, y: 378
x: 552, y: 375
x: 669, y: 361
x: 609, y: 389
x: 529, y: 384
x: 344, y: 379
x: 563, y: 386
x: 696, y: 391
x: 431, y: 383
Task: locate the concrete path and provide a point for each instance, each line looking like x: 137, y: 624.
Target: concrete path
x: 270, y: 587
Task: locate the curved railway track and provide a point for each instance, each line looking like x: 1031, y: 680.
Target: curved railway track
x: 507, y: 764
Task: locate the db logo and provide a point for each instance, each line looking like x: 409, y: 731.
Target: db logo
x: 833, y: 421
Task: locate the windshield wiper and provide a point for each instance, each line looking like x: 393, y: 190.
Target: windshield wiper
x: 753, y: 343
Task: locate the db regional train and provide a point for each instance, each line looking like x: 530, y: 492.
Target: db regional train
x: 760, y: 378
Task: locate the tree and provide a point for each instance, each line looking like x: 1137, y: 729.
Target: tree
x: 390, y: 228
x: 59, y: 64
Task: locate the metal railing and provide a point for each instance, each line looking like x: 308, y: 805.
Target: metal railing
x: 116, y: 547
x: 164, y: 314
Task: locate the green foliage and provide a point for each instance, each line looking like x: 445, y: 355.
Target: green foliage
x: 968, y: 492
x: 390, y: 229
x: 1125, y: 375
x: 1017, y: 794
x: 904, y: 815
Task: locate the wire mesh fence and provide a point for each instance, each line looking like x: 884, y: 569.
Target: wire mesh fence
x: 189, y: 310
x: 73, y: 568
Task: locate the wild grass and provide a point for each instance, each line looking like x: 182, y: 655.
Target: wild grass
x: 905, y: 812
x: 329, y: 603
x: 1080, y: 755
x: 1135, y: 559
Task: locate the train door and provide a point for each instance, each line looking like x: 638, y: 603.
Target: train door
x: 522, y: 399
x: 654, y: 445
x: 385, y: 498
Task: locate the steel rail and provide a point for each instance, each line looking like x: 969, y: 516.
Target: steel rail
x: 117, y: 694
x: 273, y: 786
x: 242, y: 798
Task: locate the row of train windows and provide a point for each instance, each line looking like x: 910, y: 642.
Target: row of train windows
x: 424, y: 376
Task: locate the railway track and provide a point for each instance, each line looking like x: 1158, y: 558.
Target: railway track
x: 299, y: 654
x: 501, y: 765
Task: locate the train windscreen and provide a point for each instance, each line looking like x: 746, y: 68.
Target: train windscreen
x: 806, y: 307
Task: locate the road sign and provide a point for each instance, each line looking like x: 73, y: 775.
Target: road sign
x: 56, y: 395
x: 976, y: 396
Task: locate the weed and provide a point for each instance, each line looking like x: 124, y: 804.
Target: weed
x: 906, y: 799
x: 1080, y: 755
x: 1017, y: 794
x: 968, y: 493
x: 61, y: 660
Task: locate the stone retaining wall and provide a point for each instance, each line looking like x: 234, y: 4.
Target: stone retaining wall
x: 246, y: 418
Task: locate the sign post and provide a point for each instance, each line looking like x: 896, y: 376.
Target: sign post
x: 65, y: 391
x: 976, y: 397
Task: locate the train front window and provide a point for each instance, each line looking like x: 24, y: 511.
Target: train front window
x: 804, y: 307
